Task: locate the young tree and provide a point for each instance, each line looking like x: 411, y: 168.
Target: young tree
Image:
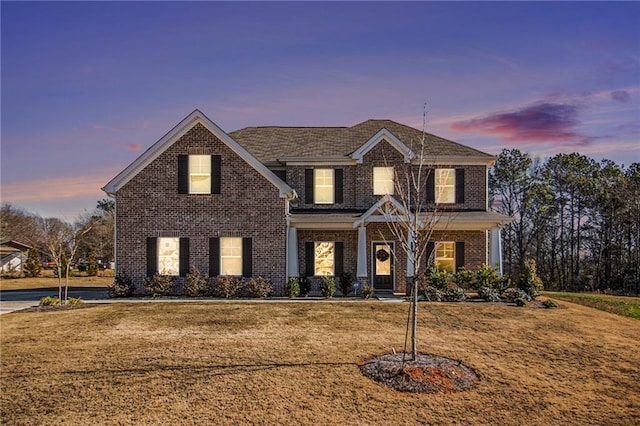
x: 33, y: 264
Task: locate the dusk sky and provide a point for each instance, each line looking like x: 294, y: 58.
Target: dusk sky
x: 88, y: 86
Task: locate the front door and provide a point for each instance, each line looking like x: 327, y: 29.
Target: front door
x: 383, y: 266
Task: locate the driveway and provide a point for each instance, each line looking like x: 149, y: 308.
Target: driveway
x: 13, y: 300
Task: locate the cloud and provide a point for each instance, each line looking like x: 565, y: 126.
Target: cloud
x: 539, y: 122
x: 134, y: 147
x: 621, y: 96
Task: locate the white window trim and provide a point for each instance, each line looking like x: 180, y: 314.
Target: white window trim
x: 223, y: 257
x: 389, y: 179
x: 198, y: 174
x: 438, y: 186
x: 317, y: 185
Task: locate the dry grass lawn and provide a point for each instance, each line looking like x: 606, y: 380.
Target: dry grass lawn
x: 297, y: 363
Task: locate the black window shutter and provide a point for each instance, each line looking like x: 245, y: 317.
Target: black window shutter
x: 459, y: 186
x: 184, y: 256
x: 216, y: 174
x: 431, y: 186
x: 152, y: 256
x: 309, y: 255
x: 308, y: 186
x: 282, y: 174
x: 459, y: 254
x: 338, y: 184
x: 338, y: 258
x: 183, y: 174
x: 431, y: 246
x: 214, y: 257
x: 247, y: 258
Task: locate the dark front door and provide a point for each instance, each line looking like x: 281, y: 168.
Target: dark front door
x: 383, y: 266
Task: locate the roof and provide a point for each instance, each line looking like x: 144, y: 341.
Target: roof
x: 271, y: 144
x: 196, y: 117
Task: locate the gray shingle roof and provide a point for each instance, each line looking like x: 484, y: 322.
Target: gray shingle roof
x: 268, y: 144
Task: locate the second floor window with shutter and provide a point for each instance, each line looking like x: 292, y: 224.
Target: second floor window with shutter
x: 382, y: 180
x: 445, y: 183
x: 323, y: 192
x: 200, y: 174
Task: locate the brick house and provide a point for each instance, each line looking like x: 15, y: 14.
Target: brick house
x: 279, y: 202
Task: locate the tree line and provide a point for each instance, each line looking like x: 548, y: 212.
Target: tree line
x: 579, y: 219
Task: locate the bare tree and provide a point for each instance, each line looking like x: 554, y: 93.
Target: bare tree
x: 412, y: 218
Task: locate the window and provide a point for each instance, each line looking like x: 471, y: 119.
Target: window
x: 231, y: 256
x: 169, y: 256
x: 324, y: 258
x: 445, y: 183
x: 323, y: 186
x: 382, y: 180
x: 445, y: 256
x: 200, y: 174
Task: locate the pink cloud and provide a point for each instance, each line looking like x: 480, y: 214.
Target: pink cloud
x: 540, y: 122
x: 134, y: 147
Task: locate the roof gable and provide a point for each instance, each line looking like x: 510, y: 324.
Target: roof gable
x: 196, y: 117
x: 382, y: 135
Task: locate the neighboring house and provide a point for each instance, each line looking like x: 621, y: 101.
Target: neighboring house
x: 12, y: 254
x: 279, y: 202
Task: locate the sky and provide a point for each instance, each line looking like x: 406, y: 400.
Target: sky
x: 88, y: 86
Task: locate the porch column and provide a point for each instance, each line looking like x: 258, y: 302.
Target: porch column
x: 362, y: 252
x: 292, y: 252
x: 496, y: 249
x: 411, y: 247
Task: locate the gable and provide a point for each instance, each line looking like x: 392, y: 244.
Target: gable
x: 383, y: 135
x: 174, y: 135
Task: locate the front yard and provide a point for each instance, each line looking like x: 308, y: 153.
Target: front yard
x: 297, y: 363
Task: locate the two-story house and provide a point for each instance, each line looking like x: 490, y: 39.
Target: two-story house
x: 283, y: 202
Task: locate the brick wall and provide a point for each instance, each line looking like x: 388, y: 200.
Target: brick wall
x: 249, y: 206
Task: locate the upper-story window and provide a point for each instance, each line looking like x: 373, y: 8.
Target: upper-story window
x: 382, y: 180
x: 200, y: 174
x: 445, y: 182
x: 323, y: 192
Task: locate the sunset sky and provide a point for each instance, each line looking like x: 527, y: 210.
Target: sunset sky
x: 88, y: 86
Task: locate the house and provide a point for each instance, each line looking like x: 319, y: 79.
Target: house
x: 279, y: 202
x: 13, y: 255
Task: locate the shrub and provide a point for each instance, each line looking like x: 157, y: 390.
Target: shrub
x: 521, y: 302
x: 305, y: 286
x: 49, y: 301
x: 158, y: 285
x: 512, y: 294
x: 487, y: 276
x: 292, y: 287
x: 327, y: 286
x: 464, y: 278
x: 489, y: 294
x: 259, y: 287
x: 33, y: 265
x: 454, y: 293
x: 438, y: 278
x: 92, y: 265
x: 122, y: 286
x: 197, y: 284
x: 227, y: 286
x: 346, y: 283
x: 550, y: 304
x: 432, y: 294
x: 367, y: 291
x: 75, y: 301
x: 529, y: 281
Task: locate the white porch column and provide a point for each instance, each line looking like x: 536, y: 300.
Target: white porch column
x: 292, y: 252
x: 410, y: 253
x: 496, y: 249
x: 362, y: 252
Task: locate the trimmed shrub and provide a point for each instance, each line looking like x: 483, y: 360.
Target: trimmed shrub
x: 454, y: 293
x: 227, y: 286
x: 49, y: 301
x: 197, y: 284
x: 158, y: 285
x: 367, y: 291
x: 346, y: 283
x: 512, y: 294
x: 292, y: 287
x: 432, y: 294
x: 550, y: 304
x: 487, y: 276
x: 327, y: 286
x: 259, y: 287
x: 122, y: 286
x: 305, y: 286
x: 464, y: 278
x: 489, y: 294
x: 438, y: 278
x: 529, y: 280
x: 74, y: 301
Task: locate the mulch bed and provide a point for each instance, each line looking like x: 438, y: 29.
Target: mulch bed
x: 427, y: 374
x: 49, y: 308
